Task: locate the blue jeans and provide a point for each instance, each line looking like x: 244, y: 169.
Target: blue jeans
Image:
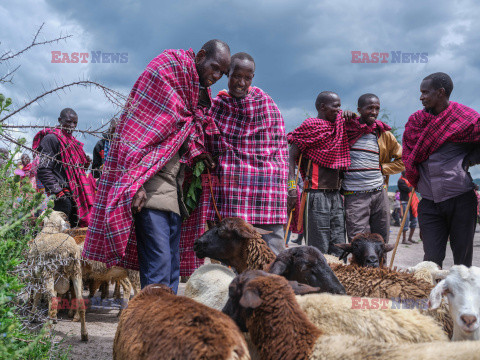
x: 411, y: 221
x: 158, y: 239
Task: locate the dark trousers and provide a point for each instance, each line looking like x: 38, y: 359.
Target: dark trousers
x: 454, y: 218
x: 158, y: 240
x: 67, y: 205
x: 324, y: 221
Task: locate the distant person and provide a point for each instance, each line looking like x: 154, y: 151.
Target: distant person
x: 411, y: 222
x: 375, y: 154
x: 323, y: 142
x: 440, y: 144
x: 396, y: 209
x: 61, y: 169
x: 100, y: 151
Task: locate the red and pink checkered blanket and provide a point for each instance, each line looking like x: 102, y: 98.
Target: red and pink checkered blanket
x: 252, y: 168
x: 161, y: 114
x: 73, y: 157
x: 323, y: 142
x: 355, y: 129
x: 425, y: 133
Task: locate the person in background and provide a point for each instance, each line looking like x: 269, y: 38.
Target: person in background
x: 100, y: 150
x: 396, y: 209
x: 412, y: 214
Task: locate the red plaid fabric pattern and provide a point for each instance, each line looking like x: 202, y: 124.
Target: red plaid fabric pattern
x: 355, y: 130
x: 252, y: 168
x: 81, y: 185
x: 161, y: 114
x: 425, y: 133
x: 323, y: 142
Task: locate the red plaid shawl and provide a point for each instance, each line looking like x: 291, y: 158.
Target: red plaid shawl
x: 323, y: 142
x: 81, y: 185
x: 253, y: 166
x: 355, y: 129
x: 161, y: 114
x: 425, y: 133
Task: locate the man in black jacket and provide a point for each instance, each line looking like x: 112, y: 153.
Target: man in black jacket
x: 101, y: 149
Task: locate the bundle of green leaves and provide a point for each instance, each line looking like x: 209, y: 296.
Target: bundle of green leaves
x: 194, y: 189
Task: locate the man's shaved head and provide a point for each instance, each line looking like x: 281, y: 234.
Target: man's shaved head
x: 212, y: 46
x: 325, y: 97
x: 67, y: 111
x: 362, y: 100
x: 441, y: 80
x: 241, y: 56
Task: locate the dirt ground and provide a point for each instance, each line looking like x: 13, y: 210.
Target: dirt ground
x: 102, y: 318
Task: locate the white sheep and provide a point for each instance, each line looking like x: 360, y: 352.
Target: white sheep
x: 462, y: 289
x: 55, y: 259
x: 209, y: 285
x: 266, y: 307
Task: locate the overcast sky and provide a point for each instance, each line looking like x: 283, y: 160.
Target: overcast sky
x: 300, y: 48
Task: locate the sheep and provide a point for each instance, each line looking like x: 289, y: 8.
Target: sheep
x: 158, y: 324
x: 462, y: 288
x: 238, y: 244
x: 55, y: 259
x: 336, y: 314
x: 98, y: 275
x: 280, y: 330
x: 427, y: 271
x: 367, y: 250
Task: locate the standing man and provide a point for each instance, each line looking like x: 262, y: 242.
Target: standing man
x: 323, y: 143
x: 138, y: 209
x: 375, y: 154
x: 440, y: 144
x: 100, y: 150
x: 253, y: 154
x: 411, y: 222
x: 61, y: 169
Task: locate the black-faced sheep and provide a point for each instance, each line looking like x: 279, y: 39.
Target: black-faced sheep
x: 160, y: 325
x: 280, y: 329
x: 55, y: 259
x: 367, y: 250
x: 238, y: 244
x: 462, y: 288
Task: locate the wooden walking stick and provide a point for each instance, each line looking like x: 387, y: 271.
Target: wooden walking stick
x: 402, y: 225
x: 304, y: 196
x: 291, y: 211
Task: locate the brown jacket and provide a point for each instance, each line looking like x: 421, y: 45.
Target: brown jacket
x: 390, y: 149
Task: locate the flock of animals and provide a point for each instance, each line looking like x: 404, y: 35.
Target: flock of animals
x: 297, y: 305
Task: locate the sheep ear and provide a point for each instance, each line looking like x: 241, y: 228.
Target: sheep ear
x: 303, y: 289
x: 388, y: 247
x: 211, y: 224
x: 261, y: 231
x: 250, y: 299
x: 278, y: 267
x: 435, y: 298
x: 347, y: 249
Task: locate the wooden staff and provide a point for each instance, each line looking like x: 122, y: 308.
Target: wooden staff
x: 304, y: 197
x: 291, y: 211
x: 211, y: 192
x: 402, y: 225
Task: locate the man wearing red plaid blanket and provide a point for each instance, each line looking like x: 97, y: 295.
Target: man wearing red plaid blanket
x: 323, y: 143
x: 138, y: 206
x: 61, y: 169
x: 375, y: 154
x: 440, y: 143
x: 252, y: 165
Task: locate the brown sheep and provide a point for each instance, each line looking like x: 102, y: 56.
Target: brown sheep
x: 238, y: 244
x: 367, y: 250
x: 281, y: 330
x: 158, y: 324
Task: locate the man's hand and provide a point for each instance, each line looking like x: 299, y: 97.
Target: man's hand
x: 139, y: 200
x: 291, y: 200
x: 207, y: 160
x: 348, y: 115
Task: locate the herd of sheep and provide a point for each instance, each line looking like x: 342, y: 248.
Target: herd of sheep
x: 297, y: 305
